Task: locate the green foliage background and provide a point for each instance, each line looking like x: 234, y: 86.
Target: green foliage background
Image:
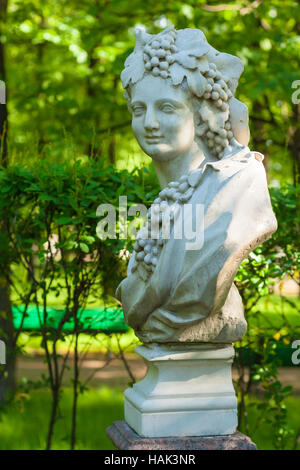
x: 64, y: 59
x: 66, y: 140
x: 62, y: 199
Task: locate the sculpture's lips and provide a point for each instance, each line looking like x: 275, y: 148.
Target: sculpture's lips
x: 153, y: 138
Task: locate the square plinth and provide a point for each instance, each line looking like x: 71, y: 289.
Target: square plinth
x: 125, y: 438
x: 187, y: 391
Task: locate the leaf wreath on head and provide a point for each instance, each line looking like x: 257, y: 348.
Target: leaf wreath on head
x: 177, y: 55
x: 185, y: 55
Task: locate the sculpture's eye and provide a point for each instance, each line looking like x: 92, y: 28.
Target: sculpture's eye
x: 167, y: 108
x: 138, y: 110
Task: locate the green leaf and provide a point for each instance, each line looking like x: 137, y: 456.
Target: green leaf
x: 84, y: 247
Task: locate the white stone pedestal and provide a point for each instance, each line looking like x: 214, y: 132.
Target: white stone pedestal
x: 187, y: 391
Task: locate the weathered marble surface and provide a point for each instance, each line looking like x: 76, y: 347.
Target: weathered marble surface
x: 181, y: 300
x: 185, y: 117
x: 190, y: 297
x: 187, y: 391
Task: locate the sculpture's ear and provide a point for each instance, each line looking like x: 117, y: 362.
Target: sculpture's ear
x: 239, y: 121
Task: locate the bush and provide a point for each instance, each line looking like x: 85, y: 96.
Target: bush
x: 276, y: 260
x: 49, y: 249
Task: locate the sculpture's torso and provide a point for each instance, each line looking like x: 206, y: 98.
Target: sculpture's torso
x: 190, y: 295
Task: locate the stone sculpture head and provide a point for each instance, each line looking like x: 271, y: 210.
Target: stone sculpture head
x: 180, y: 93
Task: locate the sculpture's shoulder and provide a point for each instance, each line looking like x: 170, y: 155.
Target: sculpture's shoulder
x: 254, y: 168
x: 257, y: 196
x: 249, y: 164
x: 256, y: 177
x: 242, y: 189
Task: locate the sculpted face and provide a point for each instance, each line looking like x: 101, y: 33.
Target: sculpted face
x: 162, y: 118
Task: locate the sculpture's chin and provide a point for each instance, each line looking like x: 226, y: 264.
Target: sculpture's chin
x: 159, y: 152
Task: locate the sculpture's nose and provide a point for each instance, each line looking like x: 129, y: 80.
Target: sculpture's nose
x: 151, y: 121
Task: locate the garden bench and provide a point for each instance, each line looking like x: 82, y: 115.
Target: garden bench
x: 102, y: 320
x: 109, y: 320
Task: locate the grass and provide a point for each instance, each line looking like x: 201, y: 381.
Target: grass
x: 24, y: 423
x: 263, y: 435
x: 97, y: 343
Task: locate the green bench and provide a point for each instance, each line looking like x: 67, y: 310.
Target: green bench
x: 105, y: 320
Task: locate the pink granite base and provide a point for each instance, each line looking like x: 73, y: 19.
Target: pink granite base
x: 125, y: 438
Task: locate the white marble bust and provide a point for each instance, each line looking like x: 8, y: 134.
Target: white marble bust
x: 180, y: 91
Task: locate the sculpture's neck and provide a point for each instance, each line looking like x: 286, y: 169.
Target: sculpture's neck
x: 182, y: 165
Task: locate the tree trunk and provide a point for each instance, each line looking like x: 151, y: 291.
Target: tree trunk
x: 3, y: 107
x: 7, y: 373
